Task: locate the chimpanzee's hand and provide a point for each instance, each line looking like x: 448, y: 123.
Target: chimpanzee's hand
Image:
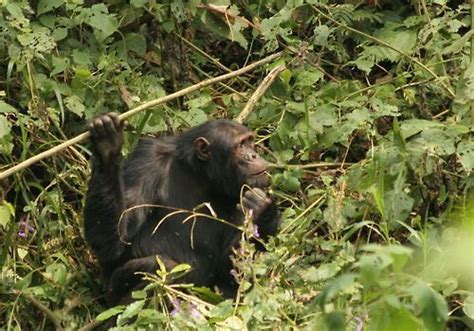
x: 107, y: 136
x: 257, y: 201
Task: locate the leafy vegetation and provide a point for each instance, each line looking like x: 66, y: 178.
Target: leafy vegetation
x: 369, y: 127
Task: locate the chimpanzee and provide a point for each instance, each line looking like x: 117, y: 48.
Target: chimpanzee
x: 209, y: 163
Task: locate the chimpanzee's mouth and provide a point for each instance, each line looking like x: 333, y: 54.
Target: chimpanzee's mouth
x: 263, y: 172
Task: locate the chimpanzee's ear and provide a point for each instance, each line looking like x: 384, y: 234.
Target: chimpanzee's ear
x: 203, y: 148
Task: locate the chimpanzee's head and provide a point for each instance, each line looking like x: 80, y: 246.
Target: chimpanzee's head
x: 224, y: 152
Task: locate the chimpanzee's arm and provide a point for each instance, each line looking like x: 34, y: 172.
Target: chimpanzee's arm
x: 105, y: 196
x: 268, y: 222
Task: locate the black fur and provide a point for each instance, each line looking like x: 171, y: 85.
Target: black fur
x: 167, y: 172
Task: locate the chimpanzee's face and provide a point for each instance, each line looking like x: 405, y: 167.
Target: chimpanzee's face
x: 251, y: 168
x: 230, y: 160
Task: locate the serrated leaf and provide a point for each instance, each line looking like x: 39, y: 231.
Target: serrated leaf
x: 438, y: 141
x: 75, y: 105
x: 308, y: 78
x: 458, y: 44
x: 104, y: 24
x: 414, y: 126
x: 132, y: 310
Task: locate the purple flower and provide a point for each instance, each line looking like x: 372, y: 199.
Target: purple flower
x: 360, y: 323
x: 256, y: 234
x: 25, y: 228
x: 195, y: 312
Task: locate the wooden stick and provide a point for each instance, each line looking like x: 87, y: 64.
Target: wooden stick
x: 259, y: 92
x: 131, y: 112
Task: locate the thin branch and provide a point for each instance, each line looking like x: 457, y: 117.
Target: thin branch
x: 210, y: 58
x: 259, y: 92
x: 311, y: 165
x: 223, y: 10
x: 146, y: 105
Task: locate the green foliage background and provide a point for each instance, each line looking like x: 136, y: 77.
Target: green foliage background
x: 370, y: 128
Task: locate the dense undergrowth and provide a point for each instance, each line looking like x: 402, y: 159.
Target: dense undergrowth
x: 369, y: 126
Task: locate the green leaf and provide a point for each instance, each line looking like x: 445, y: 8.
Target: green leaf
x: 232, y: 323
x: 321, y: 34
x: 468, y: 307
x: 340, y: 284
x: 230, y: 31
x: 433, y: 307
x: 4, y: 127
x: 194, y: 117
x: 6, y: 108
x: 180, y: 268
x: 58, y: 273
x: 104, y: 24
x: 140, y: 294
x: 132, y: 310
x: 59, y: 34
x: 45, y: 6
x: 15, y: 11
x: 458, y: 44
x: 75, y: 105
x: 465, y: 150
x: 59, y: 64
x: 438, y: 141
x: 308, y: 78
x: 24, y: 282
x: 80, y: 57
x: 138, y: 3
x: 323, y: 272
x: 6, y: 213
x: 414, y: 126
x: 109, y: 313
x: 334, y: 215
x: 21, y: 252
x: 288, y: 181
x: 136, y: 43
x: 389, y: 319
